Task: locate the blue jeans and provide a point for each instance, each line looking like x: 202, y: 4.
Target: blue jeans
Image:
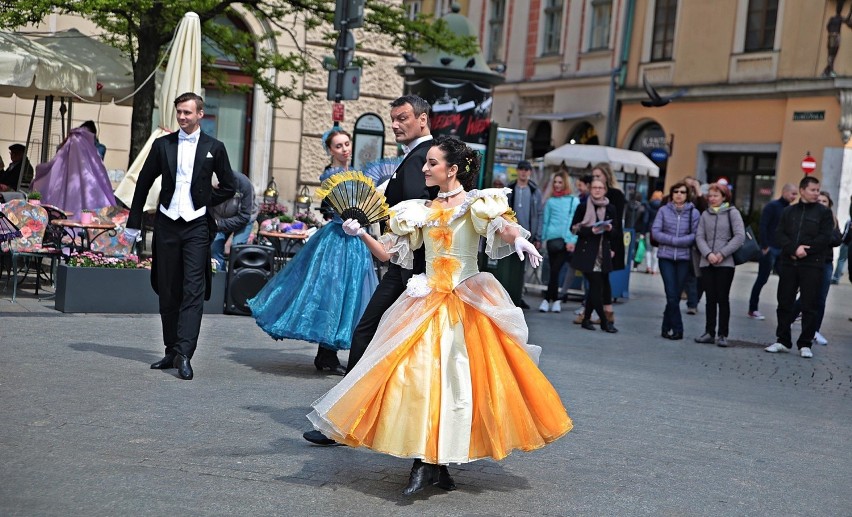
x: 217, y: 249
x: 841, y: 263
x: 674, y: 273
x: 764, y: 269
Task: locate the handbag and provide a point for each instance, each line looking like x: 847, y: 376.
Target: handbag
x: 750, y: 250
x: 555, y: 245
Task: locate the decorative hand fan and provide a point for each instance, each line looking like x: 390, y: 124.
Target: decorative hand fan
x: 8, y: 230
x: 381, y: 170
x: 354, y: 196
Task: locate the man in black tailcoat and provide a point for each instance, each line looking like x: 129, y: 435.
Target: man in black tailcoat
x: 183, y: 227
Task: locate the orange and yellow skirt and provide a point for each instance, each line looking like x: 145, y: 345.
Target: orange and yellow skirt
x: 446, y: 383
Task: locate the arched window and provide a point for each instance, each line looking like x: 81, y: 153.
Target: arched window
x: 583, y: 133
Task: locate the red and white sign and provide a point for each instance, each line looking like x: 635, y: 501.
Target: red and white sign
x: 337, y: 112
x: 808, y: 164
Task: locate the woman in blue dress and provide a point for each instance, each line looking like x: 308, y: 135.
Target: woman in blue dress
x: 321, y: 293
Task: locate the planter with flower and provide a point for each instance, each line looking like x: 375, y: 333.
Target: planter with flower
x: 90, y: 282
x: 34, y: 197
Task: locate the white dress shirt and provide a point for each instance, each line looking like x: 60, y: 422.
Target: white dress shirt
x: 181, y: 203
x: 411, y: 145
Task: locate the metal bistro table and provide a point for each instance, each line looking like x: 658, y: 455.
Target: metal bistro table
x: 84, y: 233
x: 283, y: 244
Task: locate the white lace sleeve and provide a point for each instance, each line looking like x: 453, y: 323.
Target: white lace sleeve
x: 405, y: 234
x: 491, y: 216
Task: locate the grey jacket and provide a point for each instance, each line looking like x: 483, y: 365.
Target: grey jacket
x: 721, y: 232
x: 536, y: 209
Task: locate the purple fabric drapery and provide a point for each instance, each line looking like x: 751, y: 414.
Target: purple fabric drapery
x: 75, y: 179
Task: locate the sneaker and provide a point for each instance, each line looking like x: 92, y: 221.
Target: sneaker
x: 556, y: 307
x: 692, y: 310
x: 544, y: 307
x: 820, y: 339
x: 774, y: 348
x: 756, y: 315
x: 806, y: 352
x: 706, y: 338
x: 722, y: 341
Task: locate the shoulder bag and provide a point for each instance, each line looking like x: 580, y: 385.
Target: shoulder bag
x: 750, y: 250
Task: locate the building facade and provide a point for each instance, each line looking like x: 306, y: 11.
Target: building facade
x: 752, y: 96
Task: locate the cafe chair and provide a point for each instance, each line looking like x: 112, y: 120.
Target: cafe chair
x: 28, y: 250
x: 112, y: 243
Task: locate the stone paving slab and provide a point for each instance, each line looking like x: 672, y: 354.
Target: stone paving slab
x: 661, y: 427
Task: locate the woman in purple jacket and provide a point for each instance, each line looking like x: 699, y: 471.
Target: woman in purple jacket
x: 674, y: 230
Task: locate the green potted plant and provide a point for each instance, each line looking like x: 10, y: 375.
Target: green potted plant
x: 34, y: 197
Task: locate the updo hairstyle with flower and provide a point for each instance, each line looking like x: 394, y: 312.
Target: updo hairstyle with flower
x: 458, y: 153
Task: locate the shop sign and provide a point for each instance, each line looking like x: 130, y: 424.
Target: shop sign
x: 659, y: 155
x: 809, y: 115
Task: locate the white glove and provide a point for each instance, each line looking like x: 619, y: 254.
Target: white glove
x: 353, y: 227
x: 132, y: 234
x: 524, y: 246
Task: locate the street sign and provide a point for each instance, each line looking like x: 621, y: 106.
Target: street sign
x: 808, y: 164
x: 337, y: 111
x: 348, y: 14
x: 349, y: 88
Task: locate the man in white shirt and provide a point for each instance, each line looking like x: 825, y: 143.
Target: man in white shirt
x: 181, y: 270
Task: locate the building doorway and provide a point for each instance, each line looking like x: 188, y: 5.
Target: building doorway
x: 751, y: 177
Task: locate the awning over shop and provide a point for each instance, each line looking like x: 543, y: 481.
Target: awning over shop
x: 586, y: 156
x: 28, y: 69
x: 562, y: 117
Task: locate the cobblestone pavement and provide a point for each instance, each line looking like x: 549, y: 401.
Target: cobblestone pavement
x: 661, y: 427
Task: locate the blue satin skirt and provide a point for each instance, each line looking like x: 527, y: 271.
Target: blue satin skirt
x: 321, y: 293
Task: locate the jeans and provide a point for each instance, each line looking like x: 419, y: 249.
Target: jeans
x: 717, y: 286
x: 217, y: 249
x: 807, y: 280
x: 841, y: 263
x: 674, y: 274
x: 694, y: 289
x: 764, y: 269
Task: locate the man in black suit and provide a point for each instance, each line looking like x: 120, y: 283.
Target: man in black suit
x: 11, y: 177
x: 181, y: 271
x: 410, y: 125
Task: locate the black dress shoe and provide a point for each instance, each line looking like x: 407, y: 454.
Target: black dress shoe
x: 667, y: 334
x: 675, y: 336
x: 422, y: 475
x: 166, y: 363
x: 183, y: 367
x: 523, y: 305
x: 318, y: 438
x: 326, y: 359
x: 445, y: 481
x: 587, y: 324
x: 607, y: 326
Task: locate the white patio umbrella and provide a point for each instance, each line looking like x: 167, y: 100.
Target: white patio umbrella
x: 112, y: 68
x: 183, y: 74
x: 586, y: 156
x: 28, y: 69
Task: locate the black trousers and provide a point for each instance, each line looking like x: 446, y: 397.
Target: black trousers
x: 556, y: 261
x: 182, y: 256
x: 391, y: 286
x: 807, y: 281
x: 717, y: 286
x: 600, y: 293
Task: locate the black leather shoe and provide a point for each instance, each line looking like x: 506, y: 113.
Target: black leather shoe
x: 183, y: 367
x: 327, y: 360
x: 607, y: 326
x: 166, y: 363
x: 523, y: 305
x: 587, y: 324
x: 422, y: 475
x: 445, y: 481
x: 318, y: 438
x: 674, y: 336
